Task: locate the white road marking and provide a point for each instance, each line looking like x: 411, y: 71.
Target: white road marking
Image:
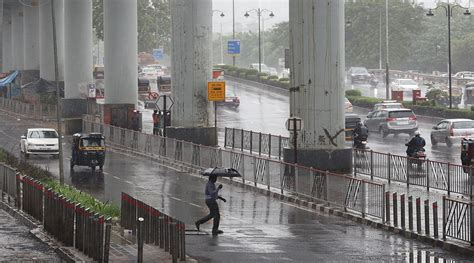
x: 128, y: 182
x: 175, y: 198
x: 116, y: 177
x: 193, y: 204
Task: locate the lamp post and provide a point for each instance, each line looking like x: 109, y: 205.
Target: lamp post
x: 263, y: 39
x: 233, y: 28
x: 259, y: 13
x: 387, y: 71
x: 222, y: 49
x: 448, y: 7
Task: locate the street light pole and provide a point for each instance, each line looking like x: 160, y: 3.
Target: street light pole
x: 233, y: 28
x: 449, y: 59
x: 449, y: 13
x: 58, y: 96
x: 222, y: 48
x: 259, y: 14
x: 387, y: 71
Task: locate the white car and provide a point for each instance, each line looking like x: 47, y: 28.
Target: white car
x: 150, y: 73
x: 405, y: 85
x: 40, y: 141
x: 464, y: 75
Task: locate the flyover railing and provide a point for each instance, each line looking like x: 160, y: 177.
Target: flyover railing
x: 448, y: 177
x: 358, y: 195
x: 35, y: 111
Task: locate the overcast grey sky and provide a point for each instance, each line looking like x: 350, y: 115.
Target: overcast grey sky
x: 279, y: 7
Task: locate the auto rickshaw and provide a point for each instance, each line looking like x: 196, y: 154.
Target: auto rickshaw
x: 469, y: 94
x: 88, y: 150
x: 467, y: 153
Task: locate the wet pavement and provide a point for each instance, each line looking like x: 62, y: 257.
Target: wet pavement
x: 18, y: 245
x: 257, y: 228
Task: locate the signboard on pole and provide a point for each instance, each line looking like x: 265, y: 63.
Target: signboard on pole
x: 158, y: 53
x: 233, y: 47
x: 91, y: 90
x: 216, y: 90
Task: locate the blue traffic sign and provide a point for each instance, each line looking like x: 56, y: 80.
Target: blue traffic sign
x: 158, y: 53
x: 233, y: 47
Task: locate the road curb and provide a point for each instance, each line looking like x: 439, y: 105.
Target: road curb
x: 316, y: 206
x: 39, y: 234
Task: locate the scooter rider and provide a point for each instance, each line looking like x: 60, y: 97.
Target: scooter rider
x: 360, y: 134
x: 415, y: 144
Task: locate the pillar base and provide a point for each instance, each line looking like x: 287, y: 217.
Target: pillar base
x: 199, y: 135
x: 28, y: 76
x: 71, y: 115
x: 339, y: 161
x: 119, y: 115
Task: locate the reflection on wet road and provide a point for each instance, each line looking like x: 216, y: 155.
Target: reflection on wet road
x: 257, y: 228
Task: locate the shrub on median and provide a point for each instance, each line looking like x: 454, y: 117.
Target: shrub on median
x: 46, y: 178
x: 353, y: 93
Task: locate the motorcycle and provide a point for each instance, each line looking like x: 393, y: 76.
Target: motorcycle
x: 418, y: 158
x: 360, y: 143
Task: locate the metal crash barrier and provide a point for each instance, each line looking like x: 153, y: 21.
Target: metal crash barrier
x: 35, y: 111
x: 358, y: 195
x: 153, y: 227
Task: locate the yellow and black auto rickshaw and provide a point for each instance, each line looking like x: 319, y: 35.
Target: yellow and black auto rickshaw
x: 88, y: 150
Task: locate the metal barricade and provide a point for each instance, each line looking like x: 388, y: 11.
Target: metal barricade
x: 458, y: 222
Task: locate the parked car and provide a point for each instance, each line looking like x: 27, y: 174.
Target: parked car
x: 405, y: 85
x: 358, y: 74
x: 40, y: 141
x: 392, y: 121
x: 149, y: 73
x: 451, y: 131
x: 231, y: 99
x: 348, y: 106
x: 464, y: 75
x: 351, y: 121
x: 264, y: 68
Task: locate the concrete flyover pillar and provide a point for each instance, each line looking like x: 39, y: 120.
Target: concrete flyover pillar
x: 46, y: 39
x: 31, y: 41
x: 192, y: 114
x: 78, y: 47
x: 77, y: 63
x: 17, y: 37
x: 317, y: 79
x: 7, y: 41
x: 120, y: 61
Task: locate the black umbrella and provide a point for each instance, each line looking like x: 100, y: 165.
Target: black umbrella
x: 221, y: 172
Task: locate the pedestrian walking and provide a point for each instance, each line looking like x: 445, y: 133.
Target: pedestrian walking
x: 212, y: 194
x: 156, y: 122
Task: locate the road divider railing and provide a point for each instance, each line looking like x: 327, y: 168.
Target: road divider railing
x: 448, y: 177
x: 68, y: 222
x: 8, y: 182
x: 31, y: 110
x: 153, y: 227
x: 458, y: 219
x: 355, y: 194
x: 452, y: 178
x: 454, y: 221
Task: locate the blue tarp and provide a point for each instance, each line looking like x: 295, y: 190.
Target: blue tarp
x: 8, y: 79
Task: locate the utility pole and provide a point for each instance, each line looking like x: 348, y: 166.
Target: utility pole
x: 233, y: 28
x: 387, y: 71
x: 58, y: 97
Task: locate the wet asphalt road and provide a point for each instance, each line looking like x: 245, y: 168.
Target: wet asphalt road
x: 267, y: 110
x: 257, y: 228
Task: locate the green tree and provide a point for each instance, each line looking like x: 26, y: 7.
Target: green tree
x: 154, y: 23
x: 363, y: 34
